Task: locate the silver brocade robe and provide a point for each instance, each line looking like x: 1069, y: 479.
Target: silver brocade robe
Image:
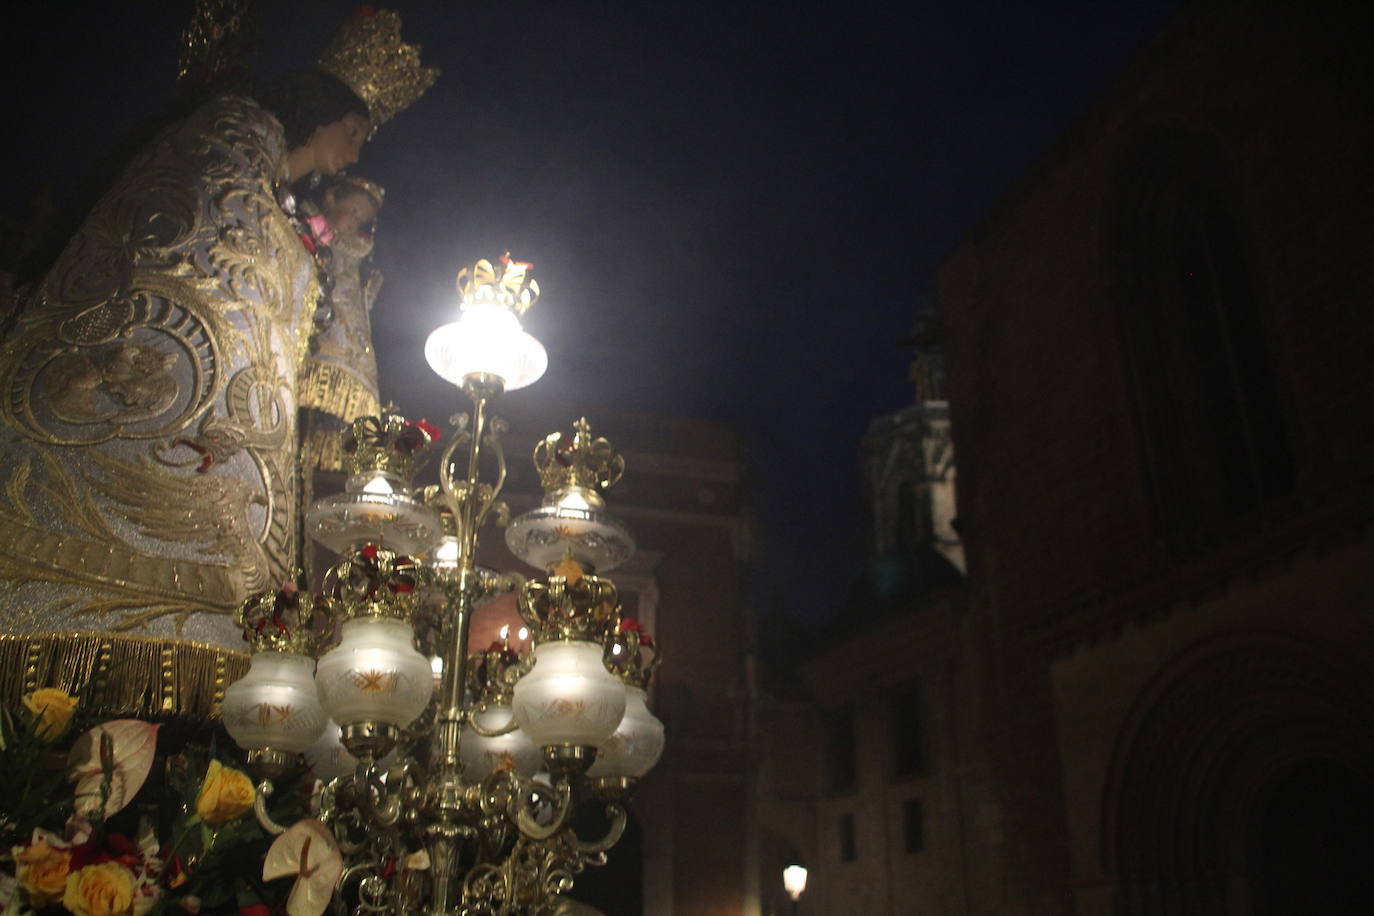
x: 147, y: 426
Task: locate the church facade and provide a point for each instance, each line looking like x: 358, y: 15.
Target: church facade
x: 1160, y: 386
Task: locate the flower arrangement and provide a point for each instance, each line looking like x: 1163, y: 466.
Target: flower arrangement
x: 102, y: 822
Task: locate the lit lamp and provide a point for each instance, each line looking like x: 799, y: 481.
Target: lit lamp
x: 491, y: 741
x: 465, y: 788
x: 381, y: 455
x: 794, y: 882
x: 572, y: 521
x: 569, y: 703
x: 273, y: 711
x: 487, y: 339
x: 374, y: 682
x: 637, y: 743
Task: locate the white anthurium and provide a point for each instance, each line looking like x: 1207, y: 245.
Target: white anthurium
x: 308, y: 851
x: 111, y: 762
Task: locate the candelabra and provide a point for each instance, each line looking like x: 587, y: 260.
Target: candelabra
x: 458, y: 799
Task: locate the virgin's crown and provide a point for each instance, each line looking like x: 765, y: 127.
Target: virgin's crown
x: 368, y: 56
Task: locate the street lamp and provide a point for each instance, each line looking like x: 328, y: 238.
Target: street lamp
x: 794, y: 882
x: 461, y: 794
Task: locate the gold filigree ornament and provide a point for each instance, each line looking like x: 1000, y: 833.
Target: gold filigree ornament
x: 368, y: 56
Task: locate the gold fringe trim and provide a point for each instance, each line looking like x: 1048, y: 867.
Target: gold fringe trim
x: 334, y: 390
x: 139, y: 676
x: 324, y: 450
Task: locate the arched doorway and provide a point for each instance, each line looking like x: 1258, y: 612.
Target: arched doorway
x: 1204, y: 811
x: 1312, y: 842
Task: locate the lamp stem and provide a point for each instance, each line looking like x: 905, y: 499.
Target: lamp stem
x: 467, y: 503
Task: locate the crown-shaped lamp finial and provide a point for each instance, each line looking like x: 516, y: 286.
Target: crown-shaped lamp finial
x: 387, y: 443
x: 584, y: 466
x: 507, y: 283
x: 280, y: 621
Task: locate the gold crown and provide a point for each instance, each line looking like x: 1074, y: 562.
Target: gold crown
x: 375, y: 582
x: 592, y: 464
x: 509, y: 284
x: 624, y: 653
x: 368, y: 56
x: 570, y: 605
x: 280, y: 621
x: 492, y: 674
x: 387, y: 442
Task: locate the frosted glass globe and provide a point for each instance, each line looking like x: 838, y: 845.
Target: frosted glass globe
x: 637, y: 743
x: 568, y: 697
x: 375, y: 674
x: 328, y: 757
x: 481, y: 755
x: 486, y: 340
x: 275, y: 704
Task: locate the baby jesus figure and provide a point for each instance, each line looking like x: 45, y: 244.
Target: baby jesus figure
x: 340, y: 376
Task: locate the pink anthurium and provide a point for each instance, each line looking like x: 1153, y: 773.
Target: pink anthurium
x: 309, y: 852
x: 113, y: 759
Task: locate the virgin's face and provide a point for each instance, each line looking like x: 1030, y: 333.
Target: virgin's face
x: 336, y: 145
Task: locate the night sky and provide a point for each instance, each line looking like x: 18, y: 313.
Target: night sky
x: 734, y: 211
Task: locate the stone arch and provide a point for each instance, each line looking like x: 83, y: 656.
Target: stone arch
x: 1216, y: 726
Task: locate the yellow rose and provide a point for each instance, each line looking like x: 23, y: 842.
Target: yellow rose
x: 42, y: 870
x: 225, y: 794
x: 53, y: 709
x: 100, y: 890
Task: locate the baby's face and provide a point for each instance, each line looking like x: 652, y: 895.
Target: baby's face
x: 350, y: 213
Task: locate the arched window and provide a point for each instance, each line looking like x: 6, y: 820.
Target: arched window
x: 1212, y: 434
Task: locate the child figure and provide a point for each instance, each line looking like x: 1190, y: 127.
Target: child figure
x: 340, y: 375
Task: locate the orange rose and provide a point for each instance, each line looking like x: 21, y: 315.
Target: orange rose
x: 106, y: 889
x: 53, y: 710
x: 225, y: 794
x: 42, y: 869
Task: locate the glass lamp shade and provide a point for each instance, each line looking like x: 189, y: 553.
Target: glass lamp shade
x: 375, y: 674
x: 637, y: 743
x: 569, y: 697
x: 275, y: 704
x: 481, y: 755
x: 486, y: 340
x: 328, y: 757
x: 794, y: 880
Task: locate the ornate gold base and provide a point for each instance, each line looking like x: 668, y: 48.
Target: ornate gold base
x: 369, y: 739
x: 270, y: 763
x: 568, y: 759
x: 614, y: 788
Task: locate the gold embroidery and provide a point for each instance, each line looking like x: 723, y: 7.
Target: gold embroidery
x: 147, y: 395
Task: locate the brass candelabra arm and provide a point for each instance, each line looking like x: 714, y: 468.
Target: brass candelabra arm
x: 379, y: 801
x: 618, y: 817
x: 260, y: 797
x: 540, y: 811
x: 374, y: 895
x: 477, y: 728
